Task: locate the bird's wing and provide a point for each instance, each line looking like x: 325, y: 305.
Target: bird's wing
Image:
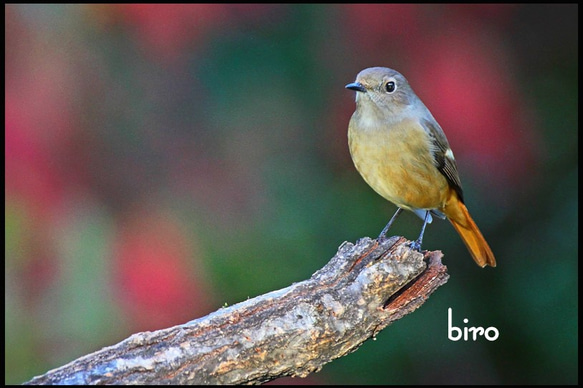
x: 443, y: 156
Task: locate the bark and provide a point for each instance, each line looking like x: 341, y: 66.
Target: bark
x: 289, y: 332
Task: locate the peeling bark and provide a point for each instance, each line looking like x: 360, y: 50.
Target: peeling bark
x: 289, y: 332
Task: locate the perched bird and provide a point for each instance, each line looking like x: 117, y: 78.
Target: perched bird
x: 402, y: 153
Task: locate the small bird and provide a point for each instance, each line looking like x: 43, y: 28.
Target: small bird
x: 402, y: 153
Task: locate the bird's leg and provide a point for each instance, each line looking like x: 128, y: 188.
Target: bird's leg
x: 417, y: 243
x: 382, y: 236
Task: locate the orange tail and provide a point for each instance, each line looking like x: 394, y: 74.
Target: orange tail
x: 461, y: 220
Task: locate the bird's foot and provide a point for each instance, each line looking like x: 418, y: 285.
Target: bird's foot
x: 416, y: 245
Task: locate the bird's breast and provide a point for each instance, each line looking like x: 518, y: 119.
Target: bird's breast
x: 397, y: 162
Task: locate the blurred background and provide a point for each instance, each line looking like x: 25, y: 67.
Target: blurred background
x: 163, y: 160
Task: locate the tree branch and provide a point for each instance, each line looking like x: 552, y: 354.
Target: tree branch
x: 289, y: 332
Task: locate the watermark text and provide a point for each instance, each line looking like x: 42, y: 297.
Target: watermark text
x: 464, y: 333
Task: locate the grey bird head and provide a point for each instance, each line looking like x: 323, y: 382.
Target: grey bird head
x: 386, y: 88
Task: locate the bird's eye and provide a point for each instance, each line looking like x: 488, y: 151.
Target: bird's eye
x: 391, y: 86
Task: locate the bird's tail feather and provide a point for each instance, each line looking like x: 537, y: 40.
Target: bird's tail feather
x: 471, y: 235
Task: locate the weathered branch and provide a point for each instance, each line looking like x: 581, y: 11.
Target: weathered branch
x: 290, y: 332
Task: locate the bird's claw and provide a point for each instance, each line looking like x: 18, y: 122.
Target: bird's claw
x: 416, y: 245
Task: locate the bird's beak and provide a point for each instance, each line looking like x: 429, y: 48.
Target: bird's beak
x: 357, y: 86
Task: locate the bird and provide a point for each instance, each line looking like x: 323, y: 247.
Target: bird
x: 401, y: 151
